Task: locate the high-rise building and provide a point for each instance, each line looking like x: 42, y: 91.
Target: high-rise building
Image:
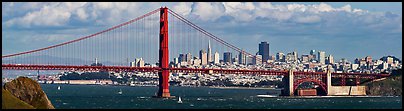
x: 235, y: 60
x: 321, y: 57
x: 312, y: 55
x: 389, y: 60
x: 312, y: 52
x: 305, y: 58
x: 203, y: 56
x: 264, y: 50
x: 330, y: 59
x: 368, y: 59
x: 182, y: 58
x: 216, y: 58
x: 227, y: 57
x: 280, y: 57
x: 241, y: 58
x: 188, y: 58
x: 132, y: 64
x: 356, y: 61
x: 139, y: 62
x: 176, y: 61
x: 288, y: 57
x: 295, y: 56
x: 209, y: 53
x: 196, y: 61
x: 257, y: 59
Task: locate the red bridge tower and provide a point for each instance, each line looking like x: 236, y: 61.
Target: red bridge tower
x: 163, y: 55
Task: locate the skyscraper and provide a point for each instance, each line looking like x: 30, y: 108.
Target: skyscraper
x: 330, y: 59
x: 203, y: 56
x: 312, y: 55
x: 313, y: 52
x: 368, y: 59
x: 241, y: 58
x: 294, y: 53
x: 182, y: 58
x: 216, y: 58
x: 139, y: 62
x: 188, y: 58
x: 227, y: 56
x: 321, y: 57
x: 264, y: 51
x: 257, y: 59
x: 176, y: 61
x: 209, y: 53
x: 280, y: 57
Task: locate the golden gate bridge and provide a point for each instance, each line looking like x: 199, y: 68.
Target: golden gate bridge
x: 139, y: 38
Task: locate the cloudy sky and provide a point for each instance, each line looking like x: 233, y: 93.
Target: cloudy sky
x: 345, y: 30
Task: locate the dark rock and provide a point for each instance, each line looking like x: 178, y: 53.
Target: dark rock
x: 391, y: 86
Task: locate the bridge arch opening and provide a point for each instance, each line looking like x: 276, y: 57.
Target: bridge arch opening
x: 321, y: 87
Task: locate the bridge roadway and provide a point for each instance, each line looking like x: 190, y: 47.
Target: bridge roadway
x: 181, y: 70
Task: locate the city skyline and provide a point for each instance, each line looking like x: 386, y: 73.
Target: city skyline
x: 342, y: 41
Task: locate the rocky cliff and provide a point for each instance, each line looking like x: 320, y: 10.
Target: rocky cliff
x: 391, y: 86
x: 26, y: 90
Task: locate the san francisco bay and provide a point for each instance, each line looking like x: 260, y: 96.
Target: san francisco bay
x: 107, y: 97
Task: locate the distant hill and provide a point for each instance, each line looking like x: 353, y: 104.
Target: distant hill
x: 24, y: 93
x: 46, y: 59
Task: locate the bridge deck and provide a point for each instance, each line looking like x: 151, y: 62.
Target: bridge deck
x: 179, y: 70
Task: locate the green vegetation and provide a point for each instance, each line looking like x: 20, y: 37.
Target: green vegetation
x: 391, y: 86
x: 24, y: 90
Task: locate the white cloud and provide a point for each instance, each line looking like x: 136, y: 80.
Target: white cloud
x: 183, y: 8
x: 104, y: 13
x: 82, y: 14
x: 308, y: 19
x: 57, y: 14
x: 208, y: 11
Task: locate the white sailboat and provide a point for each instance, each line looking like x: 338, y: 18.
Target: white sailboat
x: 179, y: 100
x: 58, y: 87
x: 120, y: 92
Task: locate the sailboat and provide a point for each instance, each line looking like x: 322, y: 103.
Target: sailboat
x: 58, y: 87
x: 120, y: 92
x: 179, y: 100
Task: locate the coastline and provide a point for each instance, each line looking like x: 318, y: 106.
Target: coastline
x: 310, y: 97
x: 221, y: 87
